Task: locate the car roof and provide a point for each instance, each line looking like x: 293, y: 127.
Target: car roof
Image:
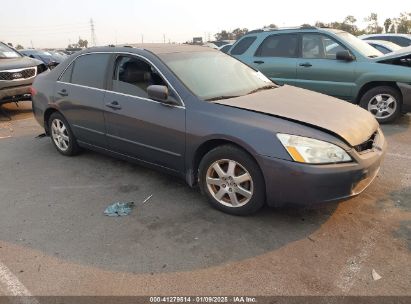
x: 297, y: 29
x: 386, y: 34
x: 156, y: 48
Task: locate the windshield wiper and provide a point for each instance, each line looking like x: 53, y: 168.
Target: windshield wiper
x: 268, y: 87
x: 221, y: 97
x: 373, y: 56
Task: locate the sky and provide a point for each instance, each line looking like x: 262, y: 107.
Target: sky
x: 56, y: 23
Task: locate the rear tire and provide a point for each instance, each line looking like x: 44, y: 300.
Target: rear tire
x: 384, y: 102
x: 232, y: 181
x: 61, y: 135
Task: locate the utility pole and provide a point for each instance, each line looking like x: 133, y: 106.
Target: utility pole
x: 142, y: 39
x: 164, y: 38
x: 93, y: 33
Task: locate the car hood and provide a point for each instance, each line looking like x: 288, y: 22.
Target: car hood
x: 18, y: 63
x: 349, y: 122
x: 406, y: 51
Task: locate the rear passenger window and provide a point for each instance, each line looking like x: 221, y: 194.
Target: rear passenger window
x: 90, y: 70
x: 279, y: 46
x: 66, y: 77
x: 242, y: 45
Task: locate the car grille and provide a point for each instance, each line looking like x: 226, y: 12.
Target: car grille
x: 367, y: 145
x: 19, y: 74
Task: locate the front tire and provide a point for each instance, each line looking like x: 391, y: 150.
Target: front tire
x: 232, y: 181
x: 383, y: 102
x: 61, y: 135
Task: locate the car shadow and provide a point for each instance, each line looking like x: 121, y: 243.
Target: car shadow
x: 14, y: 111
x: 60, y: 212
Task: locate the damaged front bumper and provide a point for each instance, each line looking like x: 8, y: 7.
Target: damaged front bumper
x: 292, y: 183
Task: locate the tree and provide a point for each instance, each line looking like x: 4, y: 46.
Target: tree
x: 321, y: 24
x: 347, y: 25
x: 373, y: 26
x: 82, y: 43
x: 387, y: 25
x: 223, y: 35
x: 19, y: 47
x: 271, y: 26
x: 238, y: 33
x: 404, y: 23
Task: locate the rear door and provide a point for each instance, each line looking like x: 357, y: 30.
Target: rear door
x: 276, y: 58
x: 319, y: 70
x: 79, y: 93
x: 138, y: 126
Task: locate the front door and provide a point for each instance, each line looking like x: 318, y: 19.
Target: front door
x: 138, y: 126
x: 319, y: 70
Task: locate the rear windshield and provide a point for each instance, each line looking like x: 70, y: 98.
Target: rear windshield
x: 7, y: 52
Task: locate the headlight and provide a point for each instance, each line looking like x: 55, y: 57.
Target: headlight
x: 312, y: 151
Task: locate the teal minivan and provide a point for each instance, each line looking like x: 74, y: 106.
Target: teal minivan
x: 332, y: 62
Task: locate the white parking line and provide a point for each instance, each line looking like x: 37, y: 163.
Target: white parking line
x: 14, y: 288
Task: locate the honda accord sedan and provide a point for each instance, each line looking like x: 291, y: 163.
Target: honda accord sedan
x: 206, y: 117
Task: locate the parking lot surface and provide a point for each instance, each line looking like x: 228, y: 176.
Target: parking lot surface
x: 55, y: 239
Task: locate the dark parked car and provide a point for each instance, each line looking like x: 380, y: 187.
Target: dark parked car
x: 204, y: 116
x: 16, y: 74
x: 48, y: 58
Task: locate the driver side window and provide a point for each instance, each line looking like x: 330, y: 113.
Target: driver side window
x: 132, y: 76
x: 315, y: 46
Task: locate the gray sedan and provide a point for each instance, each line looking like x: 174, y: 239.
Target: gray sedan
x: 208, y: 118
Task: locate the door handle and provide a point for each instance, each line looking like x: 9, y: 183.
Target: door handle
x: 306, y: 64
x: 63, y: 92
x: 113, y: 105
x: 259, y: 61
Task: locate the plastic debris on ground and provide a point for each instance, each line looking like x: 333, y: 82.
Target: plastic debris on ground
x: 147, y: 199
x: 119, y: 209
x: 375, y: 275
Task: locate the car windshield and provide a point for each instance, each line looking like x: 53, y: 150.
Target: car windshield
x: 7, y: 52
x: 214, y: 75
x: 361, y: 46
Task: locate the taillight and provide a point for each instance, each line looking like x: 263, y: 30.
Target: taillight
x: 33, y: 91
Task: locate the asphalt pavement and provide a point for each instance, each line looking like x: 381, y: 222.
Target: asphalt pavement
x: 55, y: 239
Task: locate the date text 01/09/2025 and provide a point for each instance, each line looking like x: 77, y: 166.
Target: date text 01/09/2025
x: 202, y: 299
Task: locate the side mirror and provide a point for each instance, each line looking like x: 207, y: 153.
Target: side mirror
x: 158, y: 92
x: 345, y: 56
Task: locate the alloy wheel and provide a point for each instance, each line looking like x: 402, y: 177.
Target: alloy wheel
x: 229, y: 183
x: 382, y: 105
x: 60, y: 135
